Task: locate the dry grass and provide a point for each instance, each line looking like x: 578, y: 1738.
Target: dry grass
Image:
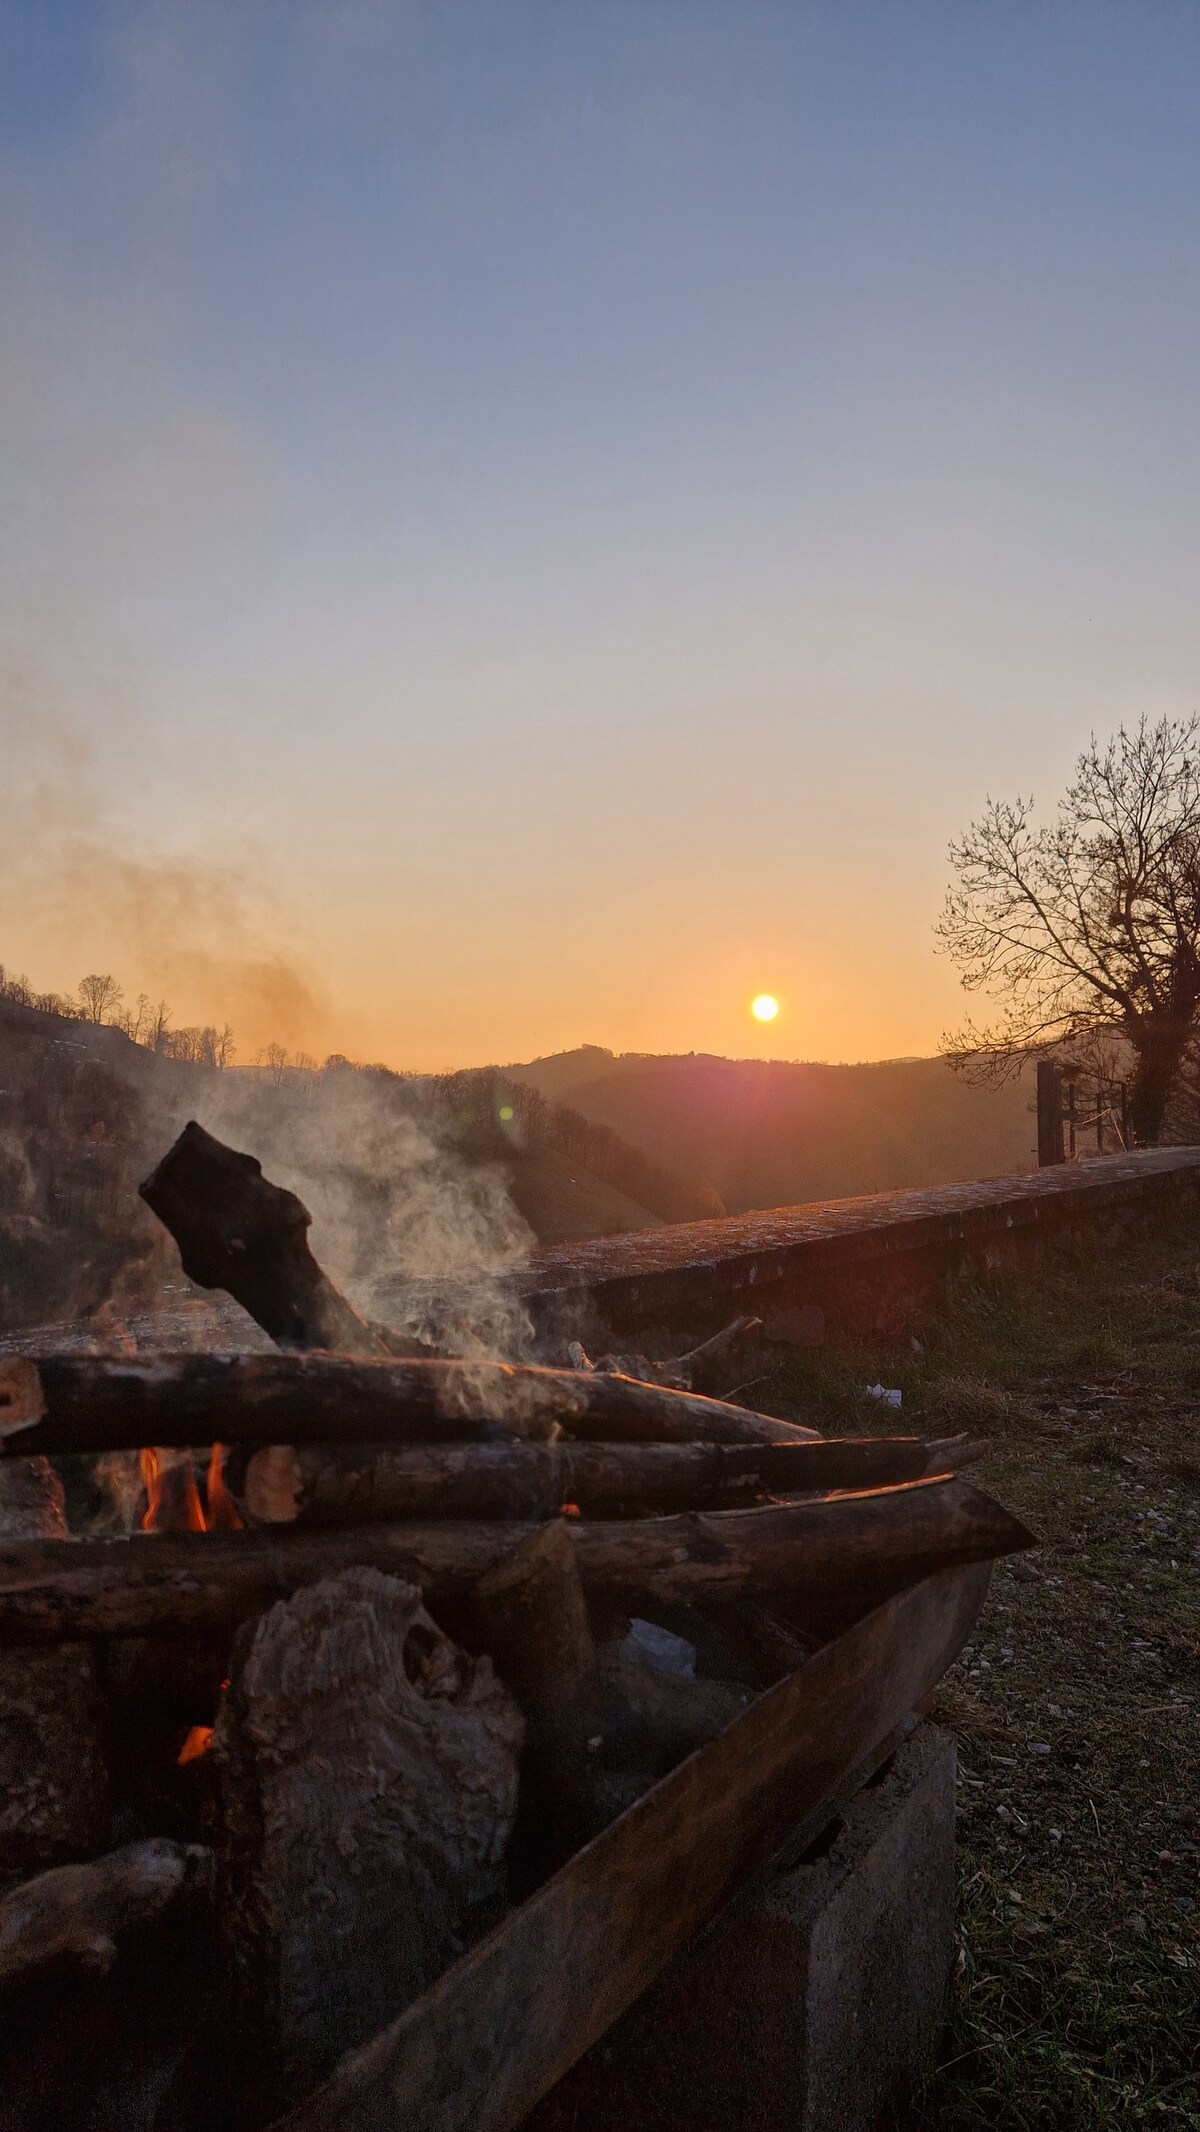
x: 1076, y: 1706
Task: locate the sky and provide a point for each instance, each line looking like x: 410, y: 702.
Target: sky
x: 533, y: 524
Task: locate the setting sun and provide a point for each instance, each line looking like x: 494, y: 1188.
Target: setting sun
x: 764, y: 1008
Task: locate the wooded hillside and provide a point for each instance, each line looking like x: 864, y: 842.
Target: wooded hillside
x: 769, y: 1134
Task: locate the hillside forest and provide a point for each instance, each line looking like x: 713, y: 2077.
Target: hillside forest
x: 430, y: 1178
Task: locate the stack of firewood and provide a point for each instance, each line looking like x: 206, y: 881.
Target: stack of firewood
x: 433, y: 1686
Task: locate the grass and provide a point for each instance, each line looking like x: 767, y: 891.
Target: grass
x: 1076, y: 2003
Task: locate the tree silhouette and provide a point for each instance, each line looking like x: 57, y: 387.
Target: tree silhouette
x: 1090, y: 922
x: 99, y: 997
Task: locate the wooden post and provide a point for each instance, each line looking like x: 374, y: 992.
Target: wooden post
x: 531, y: 1617
x: 1049, y: 1114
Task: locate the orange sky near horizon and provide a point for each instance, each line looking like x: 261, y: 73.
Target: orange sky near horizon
x: 449, y: 1002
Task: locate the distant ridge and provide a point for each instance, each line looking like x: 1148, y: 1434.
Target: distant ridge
x: 769, y: 1133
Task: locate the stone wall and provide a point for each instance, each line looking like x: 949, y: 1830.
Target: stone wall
x: 853, y: 1263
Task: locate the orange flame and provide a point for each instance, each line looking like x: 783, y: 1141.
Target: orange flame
x: 173, y: 1499
x: 198, y: 1742
x: 222, y: 1514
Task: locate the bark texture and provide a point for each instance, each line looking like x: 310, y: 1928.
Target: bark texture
x: 94, y: 1403
x: 368, y: 1775
x: 315, y: 1484
x: 817, y: 1552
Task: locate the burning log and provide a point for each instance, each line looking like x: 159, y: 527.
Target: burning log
x: 531, y: 1614
x: 235, y: 1230
x: 368, y: 1773
x: 99, y: 1403
x: 821, y: 1549
x: 319, y: 1485
x: 53, y: 1772
x: 32, y: 1504
x: 77, y: 1913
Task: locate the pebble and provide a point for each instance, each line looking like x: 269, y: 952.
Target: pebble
x: 1041, y: 1747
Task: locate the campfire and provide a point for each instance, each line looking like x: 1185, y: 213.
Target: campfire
x: 173, y: 1501
x: 417, y: 1668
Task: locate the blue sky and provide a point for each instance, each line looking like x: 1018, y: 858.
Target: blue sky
x: 562, y: 511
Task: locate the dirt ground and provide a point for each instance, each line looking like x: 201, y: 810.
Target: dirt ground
x: 1075, y: 1707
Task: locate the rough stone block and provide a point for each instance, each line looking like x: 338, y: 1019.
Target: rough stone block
x: 818, y: 2003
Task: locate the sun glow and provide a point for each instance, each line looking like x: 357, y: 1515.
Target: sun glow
x: 764, y: 1008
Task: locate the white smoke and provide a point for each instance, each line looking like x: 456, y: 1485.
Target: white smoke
x: 410, y: 1229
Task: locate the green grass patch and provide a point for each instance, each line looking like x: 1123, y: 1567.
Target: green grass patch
x: 1076, y: 1705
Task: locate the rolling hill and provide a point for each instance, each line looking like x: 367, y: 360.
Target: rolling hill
x: 767, y: 1134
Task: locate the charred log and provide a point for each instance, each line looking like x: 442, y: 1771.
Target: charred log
x: 318, y: 1485
x: 95, y: 1403
x: 237, y: 1231
x: 821, y: 1550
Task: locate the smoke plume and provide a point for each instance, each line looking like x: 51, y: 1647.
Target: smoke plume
x: 409, y: 1229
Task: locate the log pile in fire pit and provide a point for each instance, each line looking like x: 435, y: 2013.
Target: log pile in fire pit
x: 431, y: 1621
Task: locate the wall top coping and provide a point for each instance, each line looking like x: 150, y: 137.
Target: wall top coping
x: 871, y: 1226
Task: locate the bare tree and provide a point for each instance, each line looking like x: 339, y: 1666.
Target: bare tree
x: 1090, y: 922
x: 223, y: 1046
x: 158, y: 1027
x: 99, y: 997
x: 275, y: 1059
x: 133, y: 1020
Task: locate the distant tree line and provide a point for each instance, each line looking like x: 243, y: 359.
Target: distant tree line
x: 100, y: 999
